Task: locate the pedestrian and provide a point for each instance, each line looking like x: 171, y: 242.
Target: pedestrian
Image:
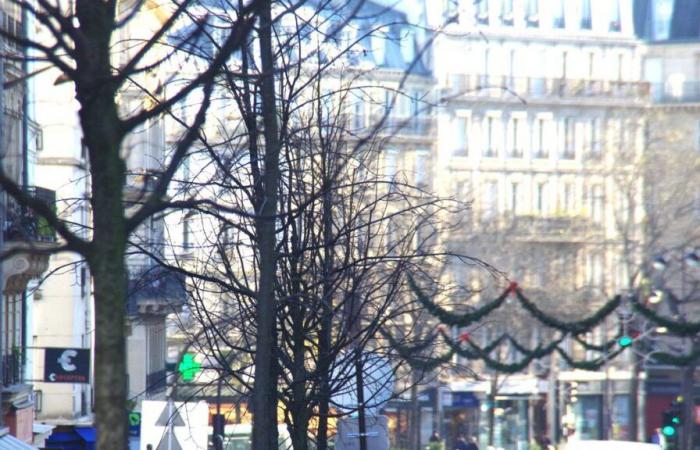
x: 472, y: 444
x: 658, y: 438
x: 461, y: 443
x: 435, y: 437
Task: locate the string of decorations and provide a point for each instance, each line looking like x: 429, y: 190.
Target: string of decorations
x: 452, y: 318
x: 679, y: 328
x: 576, y: 327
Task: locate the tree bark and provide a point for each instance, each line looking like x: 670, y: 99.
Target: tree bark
x: 265, y: 384
x: 634, y: 398
x: 492, y: 408
x: 414, y: 417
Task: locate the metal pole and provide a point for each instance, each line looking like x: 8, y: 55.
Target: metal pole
x: 3, y: 201
x: 553, y: 399
x: 218, y: 433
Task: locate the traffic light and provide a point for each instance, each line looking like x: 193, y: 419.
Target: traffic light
x: 669, y: 426
x: 673, y: 418
x: 625, y: 341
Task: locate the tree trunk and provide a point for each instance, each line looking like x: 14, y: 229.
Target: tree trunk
x: 492, y: 409
x: 414, y: 417
x: 634, y: 399
x: 109, y: 274
x: 265, y: 384
x: 103, y: 136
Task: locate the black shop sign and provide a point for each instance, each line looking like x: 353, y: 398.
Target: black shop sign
x: 67, y: 365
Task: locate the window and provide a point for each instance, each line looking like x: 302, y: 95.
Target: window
x: 421, y: 167
x: 567, y: 201
x: 390, y: 165
x: 532, y: 15
x: 482, y: 12
x: 516, y: 137
x: 615, y: 16
x: 596, y: 200
x: 461, y: 136
x: 558, y: 20
x: 490, y: 199
x: 540, y: 147
x: 491, y: 135
x: 541, y: 198
x: 359, y: 114
x: 594, y: 263
x: 514, y: 197
x: 568, y: 151
x: 507, y: 12
x: 585, y: 14
x: 595, y: 136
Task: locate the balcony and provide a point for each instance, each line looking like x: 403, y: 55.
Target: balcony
x: 545, y: 88
x: 668, y: 93
x: 417, y: 127
x: 22, y: 224
x: 155, y: 291
x: 550, y: 229
x: 11, y: 369
x: 25, y: 230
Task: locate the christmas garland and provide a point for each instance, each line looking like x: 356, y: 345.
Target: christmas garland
x: 412, y: 354
x: 602, y: 348
x: 676, y: 360
x: 574, y: 327
x: 451, y: 318
x: 483, y: 354
x: 589, y: 365
x: 675, y: 327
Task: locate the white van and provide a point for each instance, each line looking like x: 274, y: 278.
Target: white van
x: 610, y: 445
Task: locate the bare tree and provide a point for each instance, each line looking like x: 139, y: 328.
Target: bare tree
x: 77, y: 39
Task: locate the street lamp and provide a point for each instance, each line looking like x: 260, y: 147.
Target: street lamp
x: 692, y: 259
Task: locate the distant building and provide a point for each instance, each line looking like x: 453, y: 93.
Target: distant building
x: 541, y: 115
x: 20, y: 140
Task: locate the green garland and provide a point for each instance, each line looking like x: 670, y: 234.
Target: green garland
x: 412, y: 354
x: 602, y: 348
x: 589, y: 365
x: 451, y: 318
x: 675, y: 327
x: 676, y: 360
x: 574, y: 327
x: 483, y: 354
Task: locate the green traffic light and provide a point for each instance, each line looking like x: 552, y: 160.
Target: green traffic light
x: 668, y: 430
x: 676, y: 420
x: 188, y: 367
x: 625, y: 341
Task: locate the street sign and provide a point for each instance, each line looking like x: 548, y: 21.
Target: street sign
x: 134, y: 423
x: 174, y: 425
x: 67, y: 365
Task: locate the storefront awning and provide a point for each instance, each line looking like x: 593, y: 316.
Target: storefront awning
x: 9, y: 442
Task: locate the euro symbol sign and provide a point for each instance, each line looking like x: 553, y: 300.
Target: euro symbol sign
x: 65, y: 360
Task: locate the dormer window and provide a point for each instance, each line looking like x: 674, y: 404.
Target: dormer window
x: 615, y: 24
x: 482, y: 12
x: 586, y: 15
x: 532, y: 16
x: 558, y: 20
x: 507, y: 12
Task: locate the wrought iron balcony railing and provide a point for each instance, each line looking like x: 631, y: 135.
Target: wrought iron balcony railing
x: 11, y: 369
x: 23, y: 224
x: 535, y: 87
